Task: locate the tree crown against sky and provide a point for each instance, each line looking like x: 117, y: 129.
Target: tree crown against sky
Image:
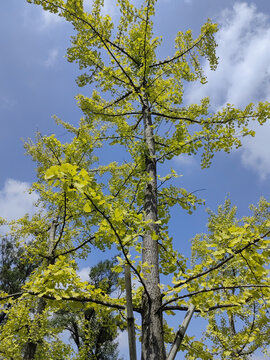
x: 127, y: 205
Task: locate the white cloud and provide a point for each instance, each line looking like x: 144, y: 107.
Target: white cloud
x: 15, y: 199
x: 109, y: 7
x: 242, y: 76
x: 49, y: 19
x: 185, y: 160
x: 39, y: 19
x: 84, y: 273
x: 243, y: 73
x: 52, y: 57
x: 256, y: 151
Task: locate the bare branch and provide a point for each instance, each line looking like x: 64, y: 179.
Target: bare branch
x: 212, y: 308
x: 63, y: 225
x: 76, y: 248
x: 118, y: 100
x: 105, y: 42
x: 80, y: 299
x: 126, y: 179
x: 250, y: 330
x: 160, y: 63
x: 15, y: 295
x: 173, y: 117
x: 223, y: 262
x: 138, y: 122
x: 218, y: 288
x: 255, y: 277
x: 119, y: 241
x: 144, y: 44
x: 179, y: 147
x: 116, y: 115
x: 95, y: 31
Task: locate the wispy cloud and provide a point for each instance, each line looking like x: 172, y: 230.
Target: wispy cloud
x: 244, y: 59
x: 15, y: 199
x: 6, y: 102
x: 48, y: 20
x: 243, y: 75
x: 256, y: 151
x: 84, y: 273
x: 52, y: 58
x: 185, y: 160
x: 35, y: 17
x: 110, y: 7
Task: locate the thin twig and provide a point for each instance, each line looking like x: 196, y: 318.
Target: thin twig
x: 119, y: 241
x: 218, y: 288
x: 160, y: 63
x: 221, y: 263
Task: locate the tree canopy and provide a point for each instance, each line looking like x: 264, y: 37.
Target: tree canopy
x: 86, y: 203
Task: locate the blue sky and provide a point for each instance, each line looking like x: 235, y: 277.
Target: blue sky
x: 37, y: 82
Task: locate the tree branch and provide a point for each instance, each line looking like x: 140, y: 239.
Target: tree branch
x: 76, y: 248
x: 221, y: 263
x: 213, y: 289
x: 118, y: 100
x: 116, y: 115
x: 105, y: 42
x: 95, y: 31
x: 212, y: 308
x: 172, y: 117
x: 144, y: 44
x: 63, y: 225
x: 125, y: 181
x: 179, y: 147
x: 70, y: 298
x: 119, y: 241
x: 160, y: 63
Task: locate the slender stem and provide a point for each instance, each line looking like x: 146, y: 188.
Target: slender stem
x: 130, y: 316
x: 181, y: 333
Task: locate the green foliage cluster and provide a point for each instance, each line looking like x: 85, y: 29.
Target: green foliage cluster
x: 137, y: 105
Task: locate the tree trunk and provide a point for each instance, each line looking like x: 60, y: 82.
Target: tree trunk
x: 30, y: 350
x: 152, y: 323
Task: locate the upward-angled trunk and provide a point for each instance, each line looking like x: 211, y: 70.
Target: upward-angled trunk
x: 152, y: 324
x: 181, y: 333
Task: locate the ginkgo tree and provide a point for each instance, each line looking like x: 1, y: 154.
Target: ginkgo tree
x: 137, y: 107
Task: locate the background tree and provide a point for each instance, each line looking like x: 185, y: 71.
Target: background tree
x: 21, y: 320
x: 28, y: 323
x: 14, y: 270
x: 95, y: 332
x: 238, y: 331
x: 127, y: 205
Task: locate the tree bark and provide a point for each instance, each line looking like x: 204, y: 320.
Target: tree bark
x: 152, y: 322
